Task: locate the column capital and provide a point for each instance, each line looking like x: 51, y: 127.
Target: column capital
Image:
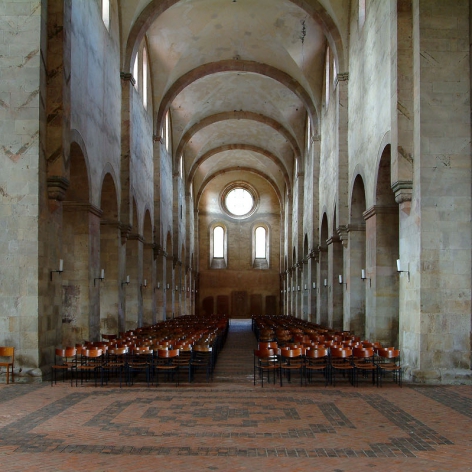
x: 403, y: 190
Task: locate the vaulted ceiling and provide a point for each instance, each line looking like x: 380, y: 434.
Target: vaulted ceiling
x: 239, y: 77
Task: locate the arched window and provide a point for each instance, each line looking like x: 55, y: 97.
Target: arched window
x: 145, y: 78
x: 327, y: 80
x: 218, y: 241
x: 218, y: 247
x: 135, y: 71
x: 167, y: 132
x: 260, y: 244
x: 106, y: 13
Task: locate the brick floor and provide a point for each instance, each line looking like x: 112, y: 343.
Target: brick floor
x: 230, y: 425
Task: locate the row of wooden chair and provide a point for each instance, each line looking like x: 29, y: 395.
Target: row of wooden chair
x: 329, y: 362
x: 127, y: 364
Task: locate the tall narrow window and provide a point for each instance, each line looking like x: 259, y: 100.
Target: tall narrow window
x: 327, y: 82
x: 260, y: 243
x: 145, y: 78
x: 167, y: 131
x: 135, y: 71
x: 218, y: 241
x: 106, y: 13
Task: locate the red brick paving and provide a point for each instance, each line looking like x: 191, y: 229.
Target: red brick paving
x: 234, y: 426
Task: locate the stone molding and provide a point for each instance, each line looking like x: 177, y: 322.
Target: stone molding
x: 342, y: 77
x: 322, y: 249
x: 136, y: 237
x: 113, y: 223
x: 355, y: 227
x: 125, y: 232
x: 128, y: 76
x: 333, y: 239
x: 379, y: 210
x: 343, y: 233
x: 57, y: 187
x: 403, y: 190
x: 82, y: 206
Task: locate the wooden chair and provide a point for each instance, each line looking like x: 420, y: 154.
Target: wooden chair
x: 340, y: 361
x: 165, y: 362
x: 388, y: 362
x: 316, y: 360
x: 7, y: 359
x: 202, y: 358
x: 139, y: 361
x: 363, y: 360
x: 90, y: 363
x: 65, y: 362
x: 292, y: 360
x: 265, y: 361
x: 115, y: 364
x: 184, y: 358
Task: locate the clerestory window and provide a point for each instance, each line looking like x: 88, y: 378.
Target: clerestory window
x: 218, y: 259
x: 260, y: 240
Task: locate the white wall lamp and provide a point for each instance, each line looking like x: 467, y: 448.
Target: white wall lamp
x: 102, y: 277
x: 401, y: 268
x: 314, y: 285
x: 158, y: 286
x: 363, y: 277
x: 341, y: 282
x: 325, y: 282
x: 126, y: 282
x: 144, y: 284
x: 306, y: 288
x: 60, y: 270
x: 298, y: 288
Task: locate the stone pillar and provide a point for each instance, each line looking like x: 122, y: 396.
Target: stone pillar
x: 382, y: 243
x: 110, y: 237
x: 147, y: 292
x: 335, y: 291
x: 435, y: 237
x: 354, y: 310
x: 323, y: 286
x: 134, y: 306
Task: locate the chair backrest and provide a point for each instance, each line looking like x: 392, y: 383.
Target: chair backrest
x: 265, y: 353
x: 167, y: 353
x: 340, y: 352
x: 363, y: 352
x: 317, y: 353
x: 388, y: 353
x: 267, y: 345
x: 8, y: 351
x: 297, y: 352
x: 93, y: 353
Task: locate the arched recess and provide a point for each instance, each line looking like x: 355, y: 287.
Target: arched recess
x: 169, y: 278
x: 356, y: 261
x: 382, y: 229
x: 134, y: 255
x: 81, y: 265
x: 325, y: 284
x: 147, y: 292
x: 109, y: 257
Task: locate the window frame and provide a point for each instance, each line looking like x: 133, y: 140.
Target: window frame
x: 261, y: 262
x: 218, y: 262
x: 245, y: 186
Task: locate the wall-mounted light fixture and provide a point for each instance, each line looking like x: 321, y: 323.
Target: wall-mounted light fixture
x: 305, y: 287
x: 158, y: 286
x: 126, y: 282
x: 168, y: 286
x: 60, y: 270
x: 325, y: 282
x: 363, y: 277
x: 401, y: 268
x: 341, y: 282
x: 102, y: 277
x: 176, y: 288
x: 314, y: 285
x: 298, y: 288
x: 144, y: 284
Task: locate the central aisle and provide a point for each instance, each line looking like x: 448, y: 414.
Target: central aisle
x: 235, y: 361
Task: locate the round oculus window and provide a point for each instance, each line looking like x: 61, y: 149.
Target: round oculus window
x: 239, y: 200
